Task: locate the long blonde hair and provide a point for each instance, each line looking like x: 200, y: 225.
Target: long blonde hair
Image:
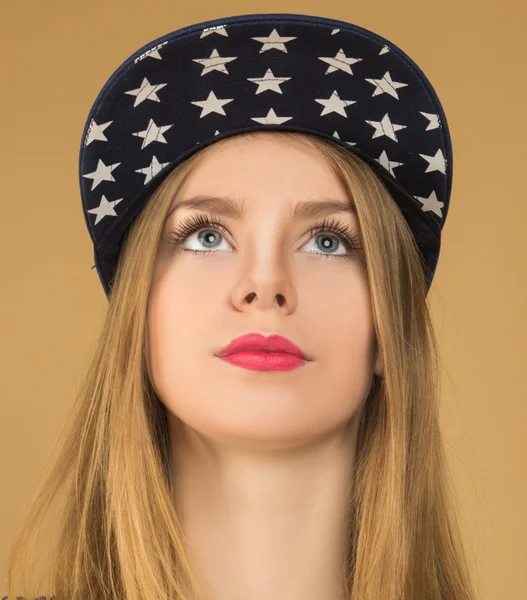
x: 117, y: 534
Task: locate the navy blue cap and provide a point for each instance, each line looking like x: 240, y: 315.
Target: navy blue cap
x: 289, y: 72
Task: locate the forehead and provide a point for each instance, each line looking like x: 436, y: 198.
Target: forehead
x: 237, y: 174
x: 272, y: 148
x: 238, y: 209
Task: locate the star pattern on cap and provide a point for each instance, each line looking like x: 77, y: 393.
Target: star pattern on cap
x: 96, y: 132
x: 436, y: 162
x: 385, y: 127
x: 146, y: 91
x: 389, y: 165
x: 212, y: 104
x: 433, y: 120
x: 274, y: 41
x: 269, y: 82
x: 152, y: 133
x: 334, y: 104
x: 339, y: 61
x: 152, y: 169
x: 386, y: 85
x: 220, y: 30
x: 271, y: 118
x: 105, y: 209
x: 214, y: 62
x: 102, y: 173
x: 226, y: 78
x: 432, y: 203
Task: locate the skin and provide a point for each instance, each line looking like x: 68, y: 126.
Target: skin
x: 262, y: 460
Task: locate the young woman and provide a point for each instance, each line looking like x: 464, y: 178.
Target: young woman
x: 260, y: 418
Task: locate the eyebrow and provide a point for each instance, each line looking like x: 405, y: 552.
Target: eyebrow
x: 225, y: 206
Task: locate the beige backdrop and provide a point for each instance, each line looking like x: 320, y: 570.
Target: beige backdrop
x: 56, y: 56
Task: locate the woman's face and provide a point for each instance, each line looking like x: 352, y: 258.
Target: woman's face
x: 265, y: 274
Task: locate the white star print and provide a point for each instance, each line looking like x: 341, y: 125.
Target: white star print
x: 154, y: 54
x: 147, y: 91
x: 95, y: 132
x: 102, y: 173
x: 384, y: 50
x: 386, y: 85
x: 436, y: 162
x: 212, y: 104
x: 434, y: 120
x: 105, y: 209
x: 385, y: 127
x: 268, y: 82
x: 334, y: 104
x: 271, y: 118
x: 389, y: 165
x: 215, y: 62
x: 153, y: 133
x: 335, y: 31
x: 152, y: 170
x: 220, y: 29
x: 431, y: 203
x: 151, y: 53
x: 274, y: 40
x: 339, y: 61
x: 336, y: 135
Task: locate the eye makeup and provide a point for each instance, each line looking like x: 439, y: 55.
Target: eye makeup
x: 333, y: 226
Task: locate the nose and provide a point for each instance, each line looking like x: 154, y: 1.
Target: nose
x: 267, y: 288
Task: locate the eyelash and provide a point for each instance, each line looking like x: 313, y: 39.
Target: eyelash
x: 194, y: 223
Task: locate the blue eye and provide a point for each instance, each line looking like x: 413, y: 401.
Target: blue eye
x: 208, y: 228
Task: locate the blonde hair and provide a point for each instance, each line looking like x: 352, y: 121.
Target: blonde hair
x: 117, y: 533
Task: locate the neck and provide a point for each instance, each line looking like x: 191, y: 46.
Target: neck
x: 265, y: 524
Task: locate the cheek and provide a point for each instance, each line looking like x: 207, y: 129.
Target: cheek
x: 179, y: 326
x: 341, y: 330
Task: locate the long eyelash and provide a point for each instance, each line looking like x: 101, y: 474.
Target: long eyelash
x: 191, y: 224
x: 196, y: 222
x: 350, y: 239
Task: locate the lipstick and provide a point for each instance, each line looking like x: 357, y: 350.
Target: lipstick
x: 257, y: 352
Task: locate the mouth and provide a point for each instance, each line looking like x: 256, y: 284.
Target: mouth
x: 264, y: 360
x: 256, y: 343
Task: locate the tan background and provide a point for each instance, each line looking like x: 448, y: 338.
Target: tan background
x: 55, y: 58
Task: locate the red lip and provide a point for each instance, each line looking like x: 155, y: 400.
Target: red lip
x: 258, y: 343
